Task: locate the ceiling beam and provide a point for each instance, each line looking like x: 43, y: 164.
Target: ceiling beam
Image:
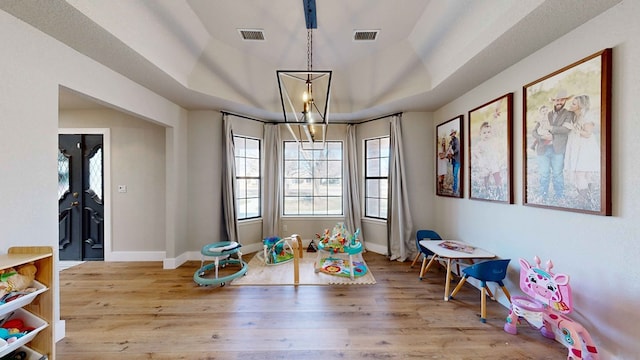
x: 310, y: 13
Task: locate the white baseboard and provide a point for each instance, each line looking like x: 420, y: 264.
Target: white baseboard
x: 376, y: 248
x: 136, y: 256
x: 60, y: 330
x: 174, y: 263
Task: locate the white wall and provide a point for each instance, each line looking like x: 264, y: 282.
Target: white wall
x: 599, y: 253
x: 31, y: 77
x: 418, y: 136
x: 205, y: 180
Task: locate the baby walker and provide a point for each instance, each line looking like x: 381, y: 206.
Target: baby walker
x: 221, y: 252
x: 549, y: 302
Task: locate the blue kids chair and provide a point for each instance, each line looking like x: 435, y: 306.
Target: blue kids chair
x: 490, y: 270
x: 424, y: 235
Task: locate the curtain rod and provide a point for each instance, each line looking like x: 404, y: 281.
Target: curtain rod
x: 246, y: 117
x: 279, y: 122
x: 379, y: 117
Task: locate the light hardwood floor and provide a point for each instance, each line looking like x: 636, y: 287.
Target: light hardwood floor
x: 139, y: 311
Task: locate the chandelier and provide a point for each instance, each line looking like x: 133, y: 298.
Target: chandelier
x: 305, y: 94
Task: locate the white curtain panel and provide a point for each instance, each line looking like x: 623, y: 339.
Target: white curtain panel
x: 399, y: 224
x: 352, y: 188
x: 229, y: 181
x: 271, y: 196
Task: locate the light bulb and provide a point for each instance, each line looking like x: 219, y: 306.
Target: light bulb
x: 307, y: 96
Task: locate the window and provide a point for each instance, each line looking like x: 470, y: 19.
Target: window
x: 312, y: 179
x: 247, y: 157
x: 376, y: 177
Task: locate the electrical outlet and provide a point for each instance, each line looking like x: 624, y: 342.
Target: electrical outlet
x: 285, y: 228
x: 122, y: 188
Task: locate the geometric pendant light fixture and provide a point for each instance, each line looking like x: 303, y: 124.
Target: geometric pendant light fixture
x: 305, y: 94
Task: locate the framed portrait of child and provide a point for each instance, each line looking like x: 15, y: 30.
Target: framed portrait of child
x: 490, y: 158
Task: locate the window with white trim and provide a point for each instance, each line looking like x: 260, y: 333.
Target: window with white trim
x: 376, y: 177
x: 248, y: 173
x: 312, y: 179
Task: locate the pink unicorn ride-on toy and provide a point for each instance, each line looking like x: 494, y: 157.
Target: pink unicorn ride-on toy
x: 546, y: 309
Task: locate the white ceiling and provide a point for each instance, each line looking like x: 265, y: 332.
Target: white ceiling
x: 190, y: 51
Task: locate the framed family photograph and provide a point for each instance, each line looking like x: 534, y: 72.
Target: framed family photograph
x: 449, y: 158
x: 490, y: 156
x: 567, y: 137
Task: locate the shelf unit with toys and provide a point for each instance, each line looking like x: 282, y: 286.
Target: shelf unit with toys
x: 35, y: 309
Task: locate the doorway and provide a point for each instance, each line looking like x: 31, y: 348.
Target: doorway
x: 81, y: 198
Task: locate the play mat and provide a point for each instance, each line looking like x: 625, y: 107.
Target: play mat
x: 340, y: 267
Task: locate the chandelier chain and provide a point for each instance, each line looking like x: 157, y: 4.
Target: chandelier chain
x: 309, y: 49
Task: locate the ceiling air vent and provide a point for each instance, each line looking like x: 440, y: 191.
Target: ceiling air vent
x: 252, y: 34
x: 365, y: 35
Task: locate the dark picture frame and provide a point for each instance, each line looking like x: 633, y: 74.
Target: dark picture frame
x: 490, y: 156
x: 567, y: 137
x: 450, y: 158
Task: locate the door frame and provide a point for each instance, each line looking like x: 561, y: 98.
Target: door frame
x: 106, y: 163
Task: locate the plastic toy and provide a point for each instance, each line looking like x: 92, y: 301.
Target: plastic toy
x: 339, y: 241
x: 221, y: 252
x: 12, y: 330
x: 16, y: 280
x: 547, y: 308
x: 276, y: 251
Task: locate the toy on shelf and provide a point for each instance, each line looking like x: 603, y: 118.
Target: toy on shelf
x: 12, y: 330
x: 276, y: 251
x: 16, y: 280
x: 546, y: 309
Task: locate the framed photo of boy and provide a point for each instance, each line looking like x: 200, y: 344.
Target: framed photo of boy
x: 449, y: 158
x: 490, y: 156
x: 567, y: 137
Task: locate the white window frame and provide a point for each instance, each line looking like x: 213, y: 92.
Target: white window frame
x: 239, y: 179
x: 379, y: 176
x: 310, y: 155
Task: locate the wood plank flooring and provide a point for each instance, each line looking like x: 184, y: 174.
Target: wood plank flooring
x: 128, y: 310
